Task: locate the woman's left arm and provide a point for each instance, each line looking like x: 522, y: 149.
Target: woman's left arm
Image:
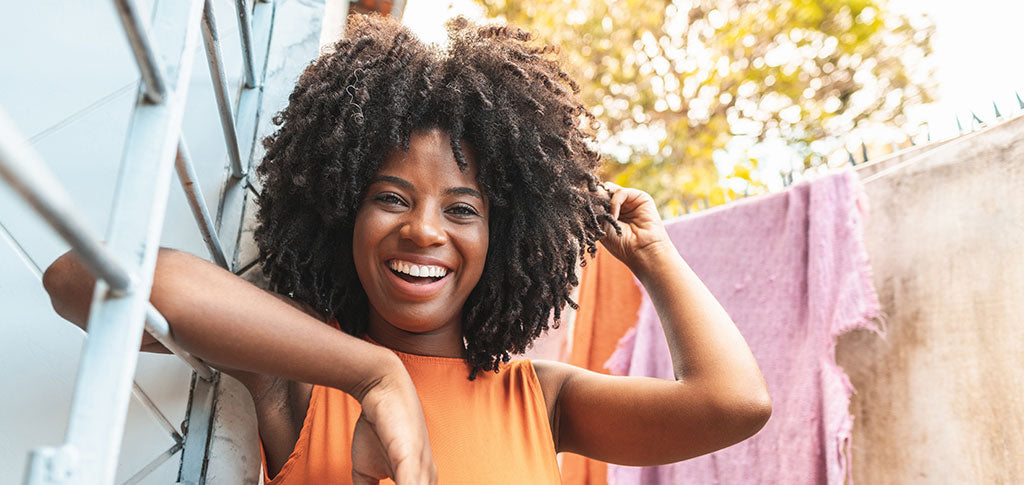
x: 719, y: 396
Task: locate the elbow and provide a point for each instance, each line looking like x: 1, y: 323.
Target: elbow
x: 70, y: 288
x: 743, y: 414
x: 751, y: 412
x: 759, y: 411
x: 70, y: 285
x: 55, y: 279
x: 55, y: 282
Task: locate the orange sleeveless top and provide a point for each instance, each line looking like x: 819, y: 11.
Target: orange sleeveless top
x: 492, y: 430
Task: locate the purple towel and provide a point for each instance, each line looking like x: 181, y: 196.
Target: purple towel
x: 791, y: 270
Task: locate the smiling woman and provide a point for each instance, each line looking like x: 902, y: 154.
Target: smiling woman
x: 422, y: 217
x: 499, y: 117
x: 431, y: 207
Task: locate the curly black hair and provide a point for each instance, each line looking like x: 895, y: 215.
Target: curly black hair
x: 492, y: 88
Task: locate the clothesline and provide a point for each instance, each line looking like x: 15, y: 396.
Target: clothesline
x: 925, y: 155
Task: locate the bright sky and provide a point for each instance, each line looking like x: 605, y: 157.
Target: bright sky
x: 426, y: 17
x: 976, y: 58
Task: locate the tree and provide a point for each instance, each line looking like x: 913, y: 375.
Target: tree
x: 674, y: 82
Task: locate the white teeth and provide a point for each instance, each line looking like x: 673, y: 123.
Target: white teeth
x: 421, y: 271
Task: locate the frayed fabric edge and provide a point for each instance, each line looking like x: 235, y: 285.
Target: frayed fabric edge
x: 844, y: 434
x: 869, y: 317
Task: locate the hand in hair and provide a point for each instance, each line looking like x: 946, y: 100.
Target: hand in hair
x: 641, y: 232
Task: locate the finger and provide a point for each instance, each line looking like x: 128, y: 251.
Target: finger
x: 603, y: 191
x: 413, y: 472
x: 618, y: 198
x: 608, y: 190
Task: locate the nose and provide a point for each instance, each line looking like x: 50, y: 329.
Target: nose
x: 424, y: 227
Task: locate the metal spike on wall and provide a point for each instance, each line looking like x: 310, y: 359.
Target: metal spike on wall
x: 788, y: 177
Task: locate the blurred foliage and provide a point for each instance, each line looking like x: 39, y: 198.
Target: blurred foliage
x: 673, y: 82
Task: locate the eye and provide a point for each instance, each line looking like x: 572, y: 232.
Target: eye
x: 463, y: 210
x: 388, y: 198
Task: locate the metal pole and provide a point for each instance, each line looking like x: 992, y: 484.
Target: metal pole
x: 103, y: 387
x: 220, y: 88
x: 154, y: 411
x: 154, y: 464
x: 245, y: 37
x: 154, y: 323
x: 194, y: 194
x: 158, y: 327
x: 247, y: 114
x: 145, y: 53
x: 22, y: 167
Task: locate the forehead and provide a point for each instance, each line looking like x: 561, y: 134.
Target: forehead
x: 430, y: 159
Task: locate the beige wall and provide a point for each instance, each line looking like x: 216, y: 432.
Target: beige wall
x: 941, y: 398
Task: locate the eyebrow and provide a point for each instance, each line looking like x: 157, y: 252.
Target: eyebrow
x: 405, y: 184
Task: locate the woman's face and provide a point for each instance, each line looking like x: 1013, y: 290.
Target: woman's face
x: 420, y: 237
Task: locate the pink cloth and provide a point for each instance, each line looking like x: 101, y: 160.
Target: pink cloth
x: 791, y: 270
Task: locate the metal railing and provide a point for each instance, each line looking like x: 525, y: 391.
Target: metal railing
x: 124, y: 264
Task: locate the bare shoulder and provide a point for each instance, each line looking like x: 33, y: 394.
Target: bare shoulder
x: 552, y: 376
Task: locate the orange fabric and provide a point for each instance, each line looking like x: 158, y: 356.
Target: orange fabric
x: 609, y: 301
x: 491, y: 430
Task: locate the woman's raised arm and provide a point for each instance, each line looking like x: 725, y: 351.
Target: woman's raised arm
x: 232, y: 324
x: 719, y: 396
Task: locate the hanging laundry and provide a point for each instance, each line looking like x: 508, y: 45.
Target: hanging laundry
x: 556, y: 343
x: 791, y: 270
x: 609, y: 298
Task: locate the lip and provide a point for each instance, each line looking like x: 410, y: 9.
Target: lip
x: 422, y: 260
x: 416, y: 291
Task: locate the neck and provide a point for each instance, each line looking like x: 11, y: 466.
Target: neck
x: 444, y: 341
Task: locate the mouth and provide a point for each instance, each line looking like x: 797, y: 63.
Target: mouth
x: 420, y: 274
x: 417, y: 280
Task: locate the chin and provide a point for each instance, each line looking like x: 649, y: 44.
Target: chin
x: 415, y: 321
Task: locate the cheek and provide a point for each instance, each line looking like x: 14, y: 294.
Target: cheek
x: 476, y: 254
x: 363, y: 238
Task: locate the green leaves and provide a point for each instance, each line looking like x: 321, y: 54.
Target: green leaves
x: 675, y: 82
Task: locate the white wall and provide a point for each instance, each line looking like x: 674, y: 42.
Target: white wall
x: 68, y: 80
x: 939, y: 399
